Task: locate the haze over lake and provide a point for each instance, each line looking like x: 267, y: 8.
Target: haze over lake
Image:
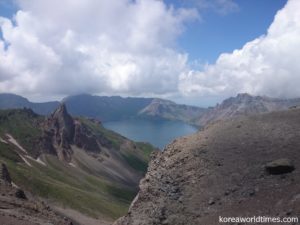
x: 157, y: 132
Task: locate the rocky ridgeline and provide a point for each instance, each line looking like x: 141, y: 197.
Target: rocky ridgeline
x: 244, y: 167
x: 244, y: 105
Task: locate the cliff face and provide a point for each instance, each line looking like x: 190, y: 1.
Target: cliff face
x: 245, y: 167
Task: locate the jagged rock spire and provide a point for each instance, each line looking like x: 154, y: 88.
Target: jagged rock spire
x: 64, y: 122
x: 60, y: 129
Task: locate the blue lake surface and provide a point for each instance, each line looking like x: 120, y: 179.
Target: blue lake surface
x: 157, y: 132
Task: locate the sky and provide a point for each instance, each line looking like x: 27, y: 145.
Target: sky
x: 196, y: 52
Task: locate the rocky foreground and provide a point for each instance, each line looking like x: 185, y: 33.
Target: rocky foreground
x: 244, y: 167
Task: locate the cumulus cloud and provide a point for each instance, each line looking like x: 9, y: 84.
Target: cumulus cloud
x: 267, y: 65
x: 55, y: 47
x: 128, y: 47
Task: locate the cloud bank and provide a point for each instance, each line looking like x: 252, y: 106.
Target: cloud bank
x: 95, y: 46
x: 267, y: 65
x: 128, y: 47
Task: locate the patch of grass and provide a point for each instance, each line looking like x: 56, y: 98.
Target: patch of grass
x: 136, y: 162
x: 22, y: 124
x: 8, y: 153
x: 146, y: 149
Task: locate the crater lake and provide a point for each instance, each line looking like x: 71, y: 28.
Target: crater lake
x: 159, y: 133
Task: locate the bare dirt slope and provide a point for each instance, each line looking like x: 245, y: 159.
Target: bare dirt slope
x: 244, y: 167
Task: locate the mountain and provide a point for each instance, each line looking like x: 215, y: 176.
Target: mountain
x: 109, y: 108
x: 115, y: 108
x: 245, y: 167
x: 72, y: 163
x: 159, y: 108
x: 105, y: 108
x: 243, y: 105
x: 12, y: 101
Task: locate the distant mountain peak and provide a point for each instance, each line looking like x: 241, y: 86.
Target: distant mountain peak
x: 244, y: 95
x: 245, y: 104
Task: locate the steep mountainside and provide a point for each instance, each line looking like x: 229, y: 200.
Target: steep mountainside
x: 12, y: 101
x: 159, y: 108
x: 72, y: 162
x: 243, y: 105
x: 240, y: 168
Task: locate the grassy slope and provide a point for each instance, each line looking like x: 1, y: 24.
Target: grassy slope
x: 22, y: 125
x: 136, y: 155
x: 62, y: 183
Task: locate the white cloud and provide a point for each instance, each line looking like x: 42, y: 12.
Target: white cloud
x: 268, y: 65
x: 55, y: 47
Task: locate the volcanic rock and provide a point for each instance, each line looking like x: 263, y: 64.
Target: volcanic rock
x: 280, y: 166
x: 5, y: 177
x: 190, y: 164
x: 20, y: 194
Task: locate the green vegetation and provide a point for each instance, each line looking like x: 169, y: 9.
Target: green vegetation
x: 7, y: 152
x: 72, y: 187
x: 136, y: 163
x: 146, y: 149
x: 22, y: 124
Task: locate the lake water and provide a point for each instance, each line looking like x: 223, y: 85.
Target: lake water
x: 158, y: 133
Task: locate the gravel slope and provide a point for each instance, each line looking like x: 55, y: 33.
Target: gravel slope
x: 221, y: 171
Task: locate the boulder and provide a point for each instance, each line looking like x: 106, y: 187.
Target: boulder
x: 280, y: 166
x: 20, y: 194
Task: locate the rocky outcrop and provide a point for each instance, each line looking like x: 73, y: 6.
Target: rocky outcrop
x: 61, y: 131
x: 225, y: 170
x: 280, y: 166
x: 4, y: 175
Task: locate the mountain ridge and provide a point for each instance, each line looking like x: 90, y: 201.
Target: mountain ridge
x: 107, y: 108
x: 244, y: 105
x: 72, y: 162
x: 115, y: 108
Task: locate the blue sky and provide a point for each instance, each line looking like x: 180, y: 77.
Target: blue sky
x: 217, y: 33
x: 7, y: 8
x: 191, y: 51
